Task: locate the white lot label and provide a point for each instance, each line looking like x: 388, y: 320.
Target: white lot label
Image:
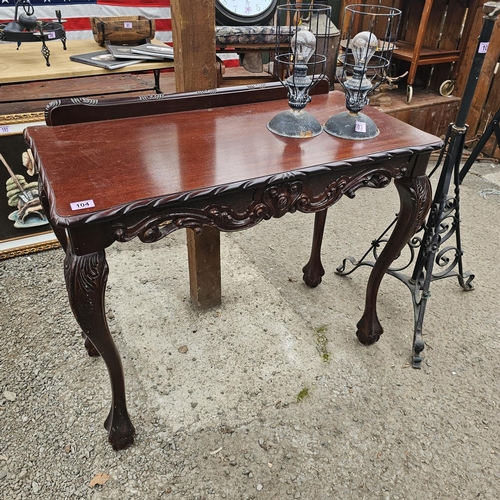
x: 483, y: 47
x: 360, y: 127
x: 80, y: 205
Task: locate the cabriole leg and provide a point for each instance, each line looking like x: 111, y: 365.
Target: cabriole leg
x: 415, y: 199
x: 313, y: 270
x: 86, y: 278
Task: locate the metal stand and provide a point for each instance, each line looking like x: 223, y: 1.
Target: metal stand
x: 444, y: 218
x: 30, y: 29
x: 493, y: 126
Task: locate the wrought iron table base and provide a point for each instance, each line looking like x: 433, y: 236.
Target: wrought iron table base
x: 46, y: 31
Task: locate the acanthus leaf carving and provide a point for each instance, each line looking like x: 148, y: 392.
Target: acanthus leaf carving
x: 286, y: 195
x: 86, y: 278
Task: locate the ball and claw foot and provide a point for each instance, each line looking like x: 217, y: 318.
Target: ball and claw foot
x: 369, y: 332
x: 121, y: 432
x: 313, y: 274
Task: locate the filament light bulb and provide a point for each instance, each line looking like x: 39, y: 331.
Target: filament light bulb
x: 303, y: 44
x: 363, y: 46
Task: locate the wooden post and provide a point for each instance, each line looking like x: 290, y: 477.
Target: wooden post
x: 204, y: 267
x: 193, y: 31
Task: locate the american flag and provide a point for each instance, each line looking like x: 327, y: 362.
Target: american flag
x: 77, y: 13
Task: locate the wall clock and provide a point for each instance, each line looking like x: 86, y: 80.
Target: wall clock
x: 244, y: 12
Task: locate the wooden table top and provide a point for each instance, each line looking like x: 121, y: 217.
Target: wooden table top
x: 28, y: 65
x: 119, y: 162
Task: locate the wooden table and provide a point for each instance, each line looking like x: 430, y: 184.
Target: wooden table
x: 148, y: 176
x: 28, y: 65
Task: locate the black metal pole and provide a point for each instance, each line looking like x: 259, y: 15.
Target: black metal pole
x: 458, y: 129
x: 493, y: 127
x: 491, y: 10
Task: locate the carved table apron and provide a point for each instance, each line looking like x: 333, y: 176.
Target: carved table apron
x: 149, y: 176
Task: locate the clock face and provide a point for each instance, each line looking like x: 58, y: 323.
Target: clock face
x: 246, y: 8
x: 240, y: 12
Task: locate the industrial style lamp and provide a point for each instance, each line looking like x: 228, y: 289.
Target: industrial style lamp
x: 369, y: 33
x: 27, y: 28
x: 300, y: 63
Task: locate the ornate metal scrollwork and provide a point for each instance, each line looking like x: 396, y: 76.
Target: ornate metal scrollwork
x: 424, y: 250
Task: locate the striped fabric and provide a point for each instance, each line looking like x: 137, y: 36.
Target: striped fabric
x: 77, y: 13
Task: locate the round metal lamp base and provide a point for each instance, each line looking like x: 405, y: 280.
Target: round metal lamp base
x: 356, y: 127
x: 296, y: 124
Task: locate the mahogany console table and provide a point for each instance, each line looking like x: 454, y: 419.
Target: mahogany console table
x: 147, y: 176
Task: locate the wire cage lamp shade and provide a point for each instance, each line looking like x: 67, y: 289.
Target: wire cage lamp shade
x: 300, y: 63
x: 368, y: 40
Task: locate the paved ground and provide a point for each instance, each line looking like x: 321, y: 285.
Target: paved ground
x: 240, y: 402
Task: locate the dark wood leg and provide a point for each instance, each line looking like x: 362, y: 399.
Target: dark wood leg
x: 86, y: 278
x: 89, y: 347
x: 415, y: 198
x: 313, y: 270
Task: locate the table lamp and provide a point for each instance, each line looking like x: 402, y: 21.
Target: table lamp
x: 369, y: 32
x: 299, y: 64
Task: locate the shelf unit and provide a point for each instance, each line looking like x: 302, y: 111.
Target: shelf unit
x: 440, y: 26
